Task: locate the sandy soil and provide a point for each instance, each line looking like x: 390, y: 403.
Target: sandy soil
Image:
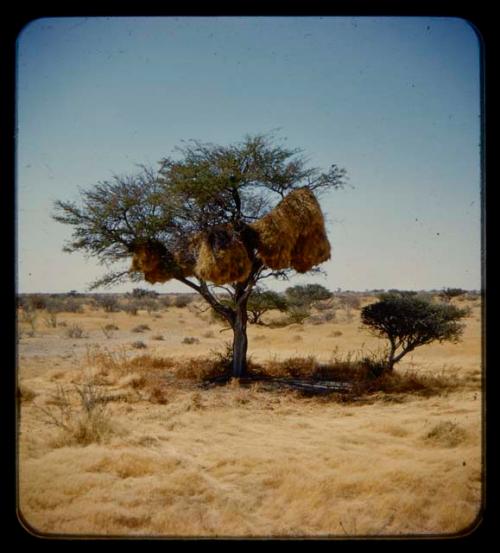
x: 234, y: 461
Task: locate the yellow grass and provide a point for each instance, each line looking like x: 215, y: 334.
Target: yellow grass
x: 180, y: 460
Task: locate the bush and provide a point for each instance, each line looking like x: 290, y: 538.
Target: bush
x: 140, y: 293
x: 66, y: 305
x: 110, y: 304
x: 297, y: 315
x: 141, y: 328
x: 409, y: 322
x: 51, y: 319
x: 182, y: 300
x: 38, y: 301
x: 306, y: 295
x: 87, y: 424
x: 29, y: 316
x: 131, y: 308
x: 108, y: 330
x: 75, y: 331
x: 323, y: 317
x: 449, y: 293
x: 190, y: 340
x: 138, y: 345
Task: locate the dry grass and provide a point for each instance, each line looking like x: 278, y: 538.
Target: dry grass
x: 178, y: 458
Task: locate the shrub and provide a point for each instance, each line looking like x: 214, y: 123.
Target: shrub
x: 69, y: 305
x: 190, y: 340
x: 141, y: 328
x: 109, y: 303
x: 87, y: 424
x: 131, y: 308
x: 108, y: 330
x: 38, y: 301
x: 51, y: 320
x: 449, y: 293
x: 138, y: 345
x: 148, y: 304
x: 142, y: 293
x: 157, y: 337
x: 182, y: 300
x: 297, y: 315
x: 165, y: 301
x: 75, y: 331
x: 323, y: 317
x: 29, y: 316
x: 306, y: 295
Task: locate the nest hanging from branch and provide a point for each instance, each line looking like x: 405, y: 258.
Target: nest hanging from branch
x: 152, y: 259
x: 293, y: 234
x: 222, y: 256
x: 159, y: 265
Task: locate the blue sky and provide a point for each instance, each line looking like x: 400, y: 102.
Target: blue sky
x: 395, y: 101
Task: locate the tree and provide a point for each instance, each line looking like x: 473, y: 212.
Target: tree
x: 207, y: 220
x: 410, y: 321
x: 306, y: 295
x: 261, y: 301
x: 447, y: 294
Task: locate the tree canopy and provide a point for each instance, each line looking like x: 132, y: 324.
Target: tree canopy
x: 213, y: 215
x: 410, y: 321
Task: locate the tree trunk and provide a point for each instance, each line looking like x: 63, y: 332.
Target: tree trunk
x: 391, y: 360
x: 240, y: 340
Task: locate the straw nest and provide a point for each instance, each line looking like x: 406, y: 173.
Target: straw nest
x: 222, y: 256
x: 293, y: 234
x: 149, y: 258
x: 160, y: 265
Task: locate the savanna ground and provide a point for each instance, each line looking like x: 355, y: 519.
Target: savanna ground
x: 121, y: 440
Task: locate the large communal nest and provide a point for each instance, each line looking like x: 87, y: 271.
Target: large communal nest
x: 159, y: 265
x: 222, y: 256
x: 293, y: 234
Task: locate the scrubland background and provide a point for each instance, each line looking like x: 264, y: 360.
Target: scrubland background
x: 118, y: 436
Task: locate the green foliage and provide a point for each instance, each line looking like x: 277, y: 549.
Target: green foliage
x: 182, y: 300
x: 208, y: 185
x: 110, y: 304
x: 409, y: 322
x: 449, y: 293
x: 297, y: 314
x: 203, y: 186
x: 140, y: 293
x: 262, y: 301
x: 306, y: 295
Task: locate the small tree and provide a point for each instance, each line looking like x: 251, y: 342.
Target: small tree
x: 409, y: 322
x: 208, y: 219
x: 449, y: 293
x: 306, y: 295
x: 262, y: 301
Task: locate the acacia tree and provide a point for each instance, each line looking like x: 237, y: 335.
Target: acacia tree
x: 305, y: 295
x: 262, y: 301
x: 410, y: 321
x: 205, y: 191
